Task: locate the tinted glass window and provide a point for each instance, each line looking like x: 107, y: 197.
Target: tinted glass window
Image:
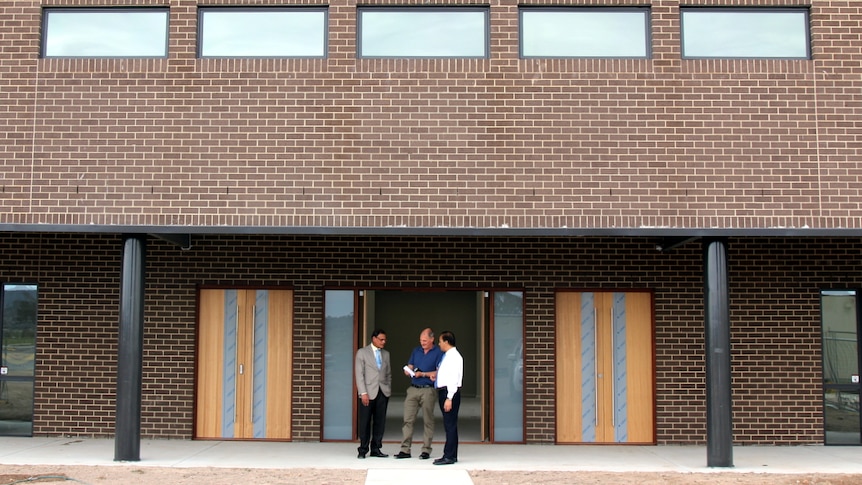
x: 338, y: 348
x: 17, y: 358
x: 282, y: 32
x: 841, y: 386
x: 745, y: 33
x: 108, y: 32
x: 508, y: 377
x: 423, y: 32
x: 584, y: 32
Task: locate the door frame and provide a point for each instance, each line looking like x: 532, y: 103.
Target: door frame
x: 365, y: 319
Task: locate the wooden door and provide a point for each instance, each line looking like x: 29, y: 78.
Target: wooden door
x: 244, y: 364
x: 604, y: 367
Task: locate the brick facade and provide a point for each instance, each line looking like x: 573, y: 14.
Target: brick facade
x: 586, y: 149
x: 777, y: 396
x: 498, y: 142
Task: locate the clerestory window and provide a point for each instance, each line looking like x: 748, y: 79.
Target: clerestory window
x: 420, y: 32
x: 584, y: 32
x: 741, y: 33
x: 262, y: 32
x: 105, y: 32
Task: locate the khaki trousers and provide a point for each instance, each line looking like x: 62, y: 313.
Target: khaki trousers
x: 424, y: 399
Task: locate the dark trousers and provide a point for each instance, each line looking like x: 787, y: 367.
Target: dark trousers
x: 450, y: 424
x: 372, y: 423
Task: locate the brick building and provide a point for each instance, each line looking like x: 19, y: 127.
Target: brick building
x: 665, y: 205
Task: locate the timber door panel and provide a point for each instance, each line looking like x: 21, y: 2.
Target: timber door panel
x: 244, y: 364
x: 604, y: 367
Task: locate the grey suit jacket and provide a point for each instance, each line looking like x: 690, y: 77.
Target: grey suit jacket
x: 370, y: 379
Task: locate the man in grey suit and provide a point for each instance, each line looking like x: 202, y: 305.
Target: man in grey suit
x: 374, y: 385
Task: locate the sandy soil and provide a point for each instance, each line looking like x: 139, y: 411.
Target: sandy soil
x: 92, y: 475
x: 560, y: 478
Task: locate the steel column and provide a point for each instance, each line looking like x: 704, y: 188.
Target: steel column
x: 127, y: 433
x: 719, y: 424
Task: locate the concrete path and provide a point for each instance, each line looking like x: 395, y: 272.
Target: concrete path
x: 385, y: 471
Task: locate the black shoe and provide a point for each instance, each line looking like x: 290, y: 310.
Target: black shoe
x: 424, y: 456
x: 378, y: 454
x: 361, y: 455
x: 401, y: 454
x: 444, y: 461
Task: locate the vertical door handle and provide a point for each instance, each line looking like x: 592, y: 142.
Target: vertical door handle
x: 613, y: 372
x: 596, y: 359
x: 253, y: 329
x: 236, y: 333
x: 253, y: 343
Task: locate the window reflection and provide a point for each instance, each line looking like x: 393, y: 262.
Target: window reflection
x: 841, y: 416
x: 737, y: 33
x: 840, y: 361
x: 291, y: 32
x: 584, y: 32
x: 423, y: 32
x: 113, y: 32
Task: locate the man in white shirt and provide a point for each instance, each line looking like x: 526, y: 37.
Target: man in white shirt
x: 448, y: 382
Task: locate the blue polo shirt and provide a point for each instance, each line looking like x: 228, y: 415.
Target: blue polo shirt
x: 425, y: 363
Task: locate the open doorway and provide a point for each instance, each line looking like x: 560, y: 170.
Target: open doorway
x: 489, y: 329
x: 403, y: 314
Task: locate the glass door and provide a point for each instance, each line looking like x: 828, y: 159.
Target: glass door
x: 17, y: 359
x: 840, y: 340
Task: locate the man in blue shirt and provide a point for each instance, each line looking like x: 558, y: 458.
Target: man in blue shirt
x: 421, y: 393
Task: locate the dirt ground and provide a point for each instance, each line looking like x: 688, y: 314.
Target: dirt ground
x: 131, y: 475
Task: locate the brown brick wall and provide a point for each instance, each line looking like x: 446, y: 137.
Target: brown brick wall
x: 76, y: 359
x: 775, y: 286
x: 347, y: 142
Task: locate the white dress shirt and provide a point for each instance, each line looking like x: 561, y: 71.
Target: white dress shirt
x: 450, y: 372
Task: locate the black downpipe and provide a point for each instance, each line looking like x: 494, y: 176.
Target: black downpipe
x: 127, y: 433
x: 719, y: 424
